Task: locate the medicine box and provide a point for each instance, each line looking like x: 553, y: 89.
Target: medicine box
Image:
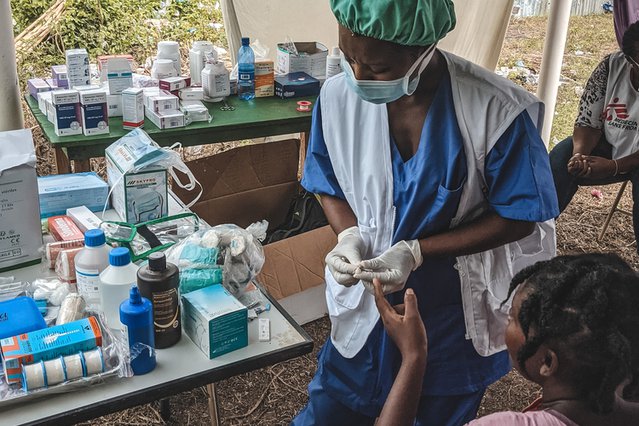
x: 78, y: 70
x: 102, y: 64
x: 295, y: 85
x: 66, y: 112
x: 20, y: 231
x: 311, y: 59
x: 264, y: 78
x: 132, y: 108
x: 114, y: 105
x: 62, y: 228
x: 192, y: 94
x: 57, y: 193
x: 162, y: 102
x: 167, y: 119
x: 119, y: 75
x: 84, y: 218
x: 172, y: 84
x: 49, y: 343
x: 42, y: 101
x: 137, y: 195
x: 215, y: 320
x: 37, y: 85
x: 59, y: 76
x: 95, y: 114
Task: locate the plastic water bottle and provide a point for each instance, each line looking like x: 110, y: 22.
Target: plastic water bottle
x: 89, y: 264
x: 246, y: 71
x: 115, y: 283
x: 136, y: 316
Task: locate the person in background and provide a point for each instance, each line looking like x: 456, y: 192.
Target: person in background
x: 604, y: 147
x: 574, y: 330
x: 431, y: 171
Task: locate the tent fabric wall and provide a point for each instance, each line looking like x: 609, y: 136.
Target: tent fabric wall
x: 478, y: 37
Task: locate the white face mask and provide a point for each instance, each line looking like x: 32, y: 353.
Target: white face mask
x: 386, y: 91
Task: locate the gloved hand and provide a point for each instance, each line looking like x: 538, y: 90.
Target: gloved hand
x: 392, y: 267
x: 343, y: 260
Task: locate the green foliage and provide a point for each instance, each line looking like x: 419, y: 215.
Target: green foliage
x: 116, y: 26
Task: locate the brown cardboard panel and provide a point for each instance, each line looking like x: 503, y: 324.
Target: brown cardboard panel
x: 270, y: 203
x: 245, y: 168
x: 297, y: 263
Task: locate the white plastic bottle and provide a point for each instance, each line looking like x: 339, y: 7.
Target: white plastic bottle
x: 215, y: 79
x: 171, y: 50
x: 89, y: 264
x: 115, y: 283
x: 197, y: 60
x: 333, y: 66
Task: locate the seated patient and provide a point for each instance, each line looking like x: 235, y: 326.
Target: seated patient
x: 574, y: 330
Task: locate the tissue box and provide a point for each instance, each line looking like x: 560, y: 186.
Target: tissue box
x: 215, y: 320
x: 49, y: 343
x: 60, y: 192
x: 296, y: 85
x: 20, y: 235
x: 311, y: 59
x: 142, y: 195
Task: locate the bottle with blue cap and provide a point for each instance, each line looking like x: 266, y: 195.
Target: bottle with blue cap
x: 115, y: 283
x: 90, y: 262
x: 136, y: 316
x: 246, y: 71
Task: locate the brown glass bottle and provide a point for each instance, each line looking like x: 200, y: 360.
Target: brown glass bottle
x: 159, y: 282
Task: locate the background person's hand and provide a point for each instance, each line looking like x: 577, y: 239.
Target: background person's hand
x: 343, y: 260
x: 393, y: 267
x: 578, y: 165
x: 403, y: 324
x: 600, y: 168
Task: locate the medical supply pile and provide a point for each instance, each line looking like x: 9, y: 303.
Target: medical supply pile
x: 114, y: 291
x: 78, y: 101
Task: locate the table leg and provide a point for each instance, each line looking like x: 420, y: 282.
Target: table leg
x: 213, y: 410
x: 62, y: 163
x: 165, y: 409
x: 81, y: 166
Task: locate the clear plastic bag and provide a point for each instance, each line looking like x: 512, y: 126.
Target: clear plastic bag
x: 229, y: 250
x: 116, y: 364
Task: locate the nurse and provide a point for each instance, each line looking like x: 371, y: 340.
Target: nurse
x: 432, y: 173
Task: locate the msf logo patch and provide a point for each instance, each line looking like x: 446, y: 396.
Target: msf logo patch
x: 616, y: 115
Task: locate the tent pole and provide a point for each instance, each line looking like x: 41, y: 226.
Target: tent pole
x: 554, y: 47
x: 10, y: 107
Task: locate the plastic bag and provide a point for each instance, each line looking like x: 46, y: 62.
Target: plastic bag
x: 225, y: 254
x: 116, y: 364
x: 10, y: 290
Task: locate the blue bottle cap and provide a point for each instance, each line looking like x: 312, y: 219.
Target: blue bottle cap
x: 94, y: 238
x: 134, y: 296
x: 119, y: 256
x: 245, y: 41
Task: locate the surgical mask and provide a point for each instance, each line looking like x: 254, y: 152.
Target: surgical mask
x: 386, y: 91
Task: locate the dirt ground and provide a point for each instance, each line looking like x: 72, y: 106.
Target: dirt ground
x: 273, y: 395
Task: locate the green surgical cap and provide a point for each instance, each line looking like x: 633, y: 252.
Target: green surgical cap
x: 406, y: 22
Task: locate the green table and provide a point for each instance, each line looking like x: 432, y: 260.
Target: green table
x: 251, y: 119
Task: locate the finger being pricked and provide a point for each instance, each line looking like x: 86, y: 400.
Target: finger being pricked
x: 386, y: 311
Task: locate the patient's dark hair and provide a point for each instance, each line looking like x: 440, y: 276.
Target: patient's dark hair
x: 586, y: 308
x: 630, y: 40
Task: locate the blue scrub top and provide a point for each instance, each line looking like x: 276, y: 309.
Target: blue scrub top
x: 426, y: 192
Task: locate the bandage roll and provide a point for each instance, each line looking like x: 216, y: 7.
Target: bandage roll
x: 34, y: 376
x: 72, y: 309
x: 74, y: 366
x: 55, y: 371
x: 94, y: 361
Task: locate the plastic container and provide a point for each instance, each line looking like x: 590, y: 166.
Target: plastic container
x: 18, y: 316
x: 197, y: 60
x: 216, y: 81
x: 171, y: 50
x: 246, y: 71
x: 159, y: 282
x: 92, y: 260
x: 333, y: 66
x: 136, y: 317
x: 163, y: 68
x: 115, y: 283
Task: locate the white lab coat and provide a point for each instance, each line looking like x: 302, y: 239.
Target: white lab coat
x: 357, y: 138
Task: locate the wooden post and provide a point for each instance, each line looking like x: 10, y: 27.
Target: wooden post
x: 213, y: 411
x: 10, y: 107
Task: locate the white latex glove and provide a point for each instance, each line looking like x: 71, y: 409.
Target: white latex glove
x: 344, y: 259
x: 393, y: 267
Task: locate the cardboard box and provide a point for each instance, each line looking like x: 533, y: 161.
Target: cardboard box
x: 311, y: 59
x: 20, y: 231
x: 132, y: 108
x: 95, y: 114
x: 102, y: 64
x: 215, y: 320
x: 67, y: 117
x: 57, y: 193
x: 37, y: 85
x: 59, y: 76
x: 295, y: 85
x: 142, y: 195
x: 49, y: 343
x: 78, y: 70
x: 114, y: 103
x: 171, y: 84
x: 166, y: 119
x: 256, y: 182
